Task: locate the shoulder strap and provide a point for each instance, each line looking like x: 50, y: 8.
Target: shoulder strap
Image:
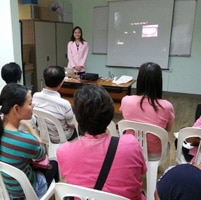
x: 107, y: 163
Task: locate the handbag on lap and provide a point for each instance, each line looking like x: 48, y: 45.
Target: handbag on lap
x: 44, y: 163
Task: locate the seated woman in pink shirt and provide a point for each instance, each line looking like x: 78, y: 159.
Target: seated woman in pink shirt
x: 80, y: 161
x: 147, y: 105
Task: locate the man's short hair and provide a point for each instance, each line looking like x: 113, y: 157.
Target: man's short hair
x: 53, y: 76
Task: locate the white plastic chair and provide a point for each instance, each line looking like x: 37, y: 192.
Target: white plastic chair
x: 63, y: 189
x: 141, y: 130
x: 44, y: 134
x: 76, y: 126
x: 183, y: 134
x: 111, y: 128
x: 22, y: 179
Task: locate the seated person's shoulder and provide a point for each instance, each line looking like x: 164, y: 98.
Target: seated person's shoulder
x: 37, y: 95
x: 130, y: 147
x: 54, y: 99
x: 178, y: 180
x: 129, y: 139
x: 165, y: 102
x: 64, y: 102
x: 70, y: 42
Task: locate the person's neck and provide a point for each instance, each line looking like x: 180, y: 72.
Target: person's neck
x: 52, y: 89
x: 77, y: 41
x: 11, y: 123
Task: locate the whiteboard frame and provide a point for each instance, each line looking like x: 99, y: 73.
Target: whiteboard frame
x: 100, y: 15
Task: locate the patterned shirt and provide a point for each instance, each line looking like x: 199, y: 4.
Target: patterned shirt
x: 18, y: 149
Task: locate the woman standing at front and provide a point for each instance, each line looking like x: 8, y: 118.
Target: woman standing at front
x: 77, y: 51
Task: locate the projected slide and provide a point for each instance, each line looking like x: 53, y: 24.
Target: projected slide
x: 138, y: 32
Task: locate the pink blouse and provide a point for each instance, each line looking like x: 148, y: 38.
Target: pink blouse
x: 131, y: 110
x: 80, y: 163
x: 77, y: 56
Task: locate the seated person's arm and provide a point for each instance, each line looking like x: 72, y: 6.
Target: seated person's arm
x: 156, y: 195
x: 169, y: 125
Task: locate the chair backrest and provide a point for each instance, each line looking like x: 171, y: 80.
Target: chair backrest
x: 43, y: 129
x: 41, y: 121
x: 183, y: 134
x: 112, y: 129
x: 63, y: 189
x: 3, y: 191
x: 141, y: 130
x: 76, y: 126
x: 22, y: 179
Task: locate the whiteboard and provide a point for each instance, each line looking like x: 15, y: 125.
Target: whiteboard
x: 183, y: 23
x: 138, y: 32
x: 100, y: 29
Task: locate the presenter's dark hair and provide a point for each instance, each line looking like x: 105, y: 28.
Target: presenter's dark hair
x: 11, y: 72
x: 53, y: 76
x: 81, y: 37
x: 11, y: 95
x: 93, y: 108
x: 149, y: 84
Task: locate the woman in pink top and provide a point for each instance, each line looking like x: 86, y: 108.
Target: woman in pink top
x: 80, y: 161
x: 77, y: 51
x: 147, y: 105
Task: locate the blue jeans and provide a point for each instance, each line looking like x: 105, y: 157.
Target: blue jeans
x: 41, y: 184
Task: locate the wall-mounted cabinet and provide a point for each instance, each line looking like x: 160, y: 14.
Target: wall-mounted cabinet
x: 44, y: 44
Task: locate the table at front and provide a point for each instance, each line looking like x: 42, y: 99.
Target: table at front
x: 116, y: 91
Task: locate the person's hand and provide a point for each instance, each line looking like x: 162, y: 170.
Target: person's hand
x: 71, y: 126
x: 29, y: 127
x: 78, y: 68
